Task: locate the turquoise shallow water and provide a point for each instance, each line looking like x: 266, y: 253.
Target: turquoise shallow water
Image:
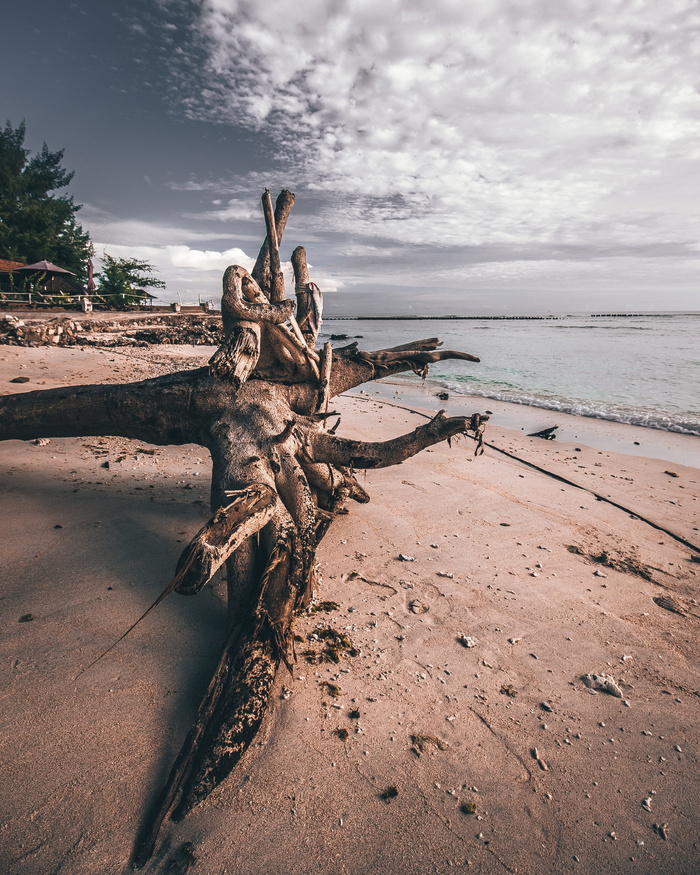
x: 643, y: 370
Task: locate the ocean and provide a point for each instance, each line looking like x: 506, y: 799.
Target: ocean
x: 638, y: 369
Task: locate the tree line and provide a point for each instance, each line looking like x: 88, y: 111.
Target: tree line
x: 38, y: 221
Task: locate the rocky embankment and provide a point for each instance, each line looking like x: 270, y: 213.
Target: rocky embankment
x: 103, y: 331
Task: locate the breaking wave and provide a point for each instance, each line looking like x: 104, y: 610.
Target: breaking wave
x: 682, y: 423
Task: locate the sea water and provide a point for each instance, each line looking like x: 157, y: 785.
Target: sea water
x: 638, y: 369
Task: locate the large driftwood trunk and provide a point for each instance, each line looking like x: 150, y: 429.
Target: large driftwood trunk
x: 278, y: 479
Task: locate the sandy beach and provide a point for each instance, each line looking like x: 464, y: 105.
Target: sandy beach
x: 461, y: 737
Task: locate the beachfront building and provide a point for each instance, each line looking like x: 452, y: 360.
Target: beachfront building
x: 47, y: 285
x: 36, y: 284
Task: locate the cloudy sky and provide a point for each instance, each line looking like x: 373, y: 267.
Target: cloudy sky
x: 447, y: 156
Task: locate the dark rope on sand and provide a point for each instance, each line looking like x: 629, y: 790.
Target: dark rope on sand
x: 558, y: 477
x: 599, y: 497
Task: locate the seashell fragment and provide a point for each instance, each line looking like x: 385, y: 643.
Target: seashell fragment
x: 604, y: 682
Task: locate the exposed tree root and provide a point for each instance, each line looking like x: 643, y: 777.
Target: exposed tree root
x: 279, y: 478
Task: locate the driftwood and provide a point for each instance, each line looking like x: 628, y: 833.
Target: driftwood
x: 279, y: 477
x: 547, y: 434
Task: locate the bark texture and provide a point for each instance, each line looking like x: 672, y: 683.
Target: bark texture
x: 279, y: 477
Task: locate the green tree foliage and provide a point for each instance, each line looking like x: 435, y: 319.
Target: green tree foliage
x: 121, y: 280
x: 35, y: 222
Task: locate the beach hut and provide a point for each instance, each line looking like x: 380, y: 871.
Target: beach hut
x: 49, y: 278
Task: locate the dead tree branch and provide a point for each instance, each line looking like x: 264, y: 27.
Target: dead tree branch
x: 261, y: 270
x: 362, y: 454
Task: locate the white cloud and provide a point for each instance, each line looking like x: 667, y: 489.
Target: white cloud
x: 469, y: 122
x: 181, y: 257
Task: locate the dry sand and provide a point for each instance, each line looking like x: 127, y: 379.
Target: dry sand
x: 522, y: 768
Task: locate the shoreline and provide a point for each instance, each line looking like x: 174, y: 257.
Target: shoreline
x: 637, y: 371
x: 519, y: 409
x: 600, y: 434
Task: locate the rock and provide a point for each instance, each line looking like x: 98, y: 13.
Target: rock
x: 604, y: 682
x: 141, y: 331
x: 467, y: 640
x: 404, y: 558
x: 417, y: 607
x: 19, y: 380
x: 661, y: 829
x: 535, y: 754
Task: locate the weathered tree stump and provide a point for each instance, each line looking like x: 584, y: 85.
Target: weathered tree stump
x: 278, y: 479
